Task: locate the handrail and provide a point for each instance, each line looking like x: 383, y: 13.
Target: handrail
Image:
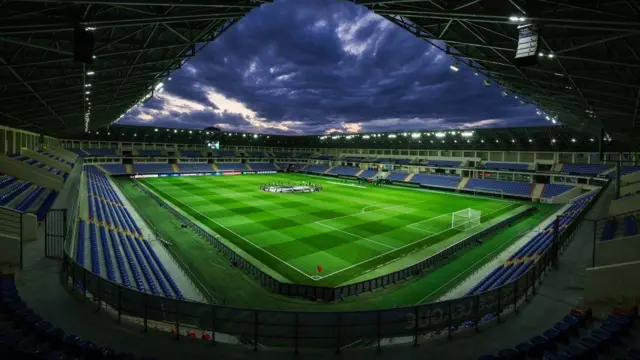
x: 297, y: 329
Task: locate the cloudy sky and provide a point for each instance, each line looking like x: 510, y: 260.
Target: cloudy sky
x: 323, y: 66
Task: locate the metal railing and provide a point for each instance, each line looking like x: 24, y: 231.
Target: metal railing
x: 319, y: 329
x: 325, y: 293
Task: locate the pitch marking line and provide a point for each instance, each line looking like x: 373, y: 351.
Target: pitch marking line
x: 354, y: 235
x: 402, y: 247
x: 347, y: 184
x: 368, y: 212
x: 242, y: 237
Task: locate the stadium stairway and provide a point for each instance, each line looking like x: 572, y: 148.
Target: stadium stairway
x: 409, y: 177
x: 175, y: 168
x: 462, y: 183
x: 129, y: 168
x: 214, y: 167
x: 276, y: 166
x: 329, y: 170
x: 360, y: 172
x: 536, y: 193
x: 557, y: 167
x: 249, y: 167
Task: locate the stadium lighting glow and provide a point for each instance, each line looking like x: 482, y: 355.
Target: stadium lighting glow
x: 455, y: 141
x: 505, y: 93
x: 553, y: 121
x: 190, y: 132
x: 550, y: 56
x: 87, y: 85
x: 553, y: 140
x: 530, y: 140
x: 405, y: 134
x: 440, y: 134
x: 255, y: 136
x: 365, y: 136
x: 87, y: 92
x: 454, y: 67
x: 476, y: 73
x: 573, y: 140
x: 335, y: 137
x: 415, y: 135
x: 592, y: 140
x: 538, y: 112
x: 466, y: 133
x: 547, y: 117
x: 540, y: 53
x: 392, y: 136
x: 156, y: 130
x: 482, y: 141
x: 159, y: 86
x: 497, y: 140
x: 512, y: 140
x: 91, y: 73
x: 514, y: 18
x: 175, y: 131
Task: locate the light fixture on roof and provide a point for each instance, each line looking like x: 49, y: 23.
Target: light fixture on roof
x: 513, y: 140
x: 505, y: 93
x: 415, y: 135
x: 553, y: 121
x: 540, y: 53
x: 514, y: 18
x: 547, y: 117
x: 476, y: 73
x: 486, y: 83
x: 573, y: 140
x: 497, y: 140
x: 87, y: 85
x: 91, y: 73
x: 482, y: 141
x: 466, y: 133
x: 550, y: 56
x: 592, y: 140
x: 87, y: 92
x: 392, y: 136
x: 441, y: 134
x: 365, y: 136
x: 454, y: 66
x: 530, y: 140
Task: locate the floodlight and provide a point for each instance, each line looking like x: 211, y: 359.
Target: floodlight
x: 454, y: 66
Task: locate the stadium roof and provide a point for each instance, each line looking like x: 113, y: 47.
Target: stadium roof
x: 548, y: 138
x: 590, y: 80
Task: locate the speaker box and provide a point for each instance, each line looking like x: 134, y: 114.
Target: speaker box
x: 83, y: 41
x: 527, y: 52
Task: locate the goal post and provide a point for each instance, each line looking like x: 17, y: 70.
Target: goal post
x: 465, y: 219
x: 487, y: 191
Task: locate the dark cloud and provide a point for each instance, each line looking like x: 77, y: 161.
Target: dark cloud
x: 316, y: 65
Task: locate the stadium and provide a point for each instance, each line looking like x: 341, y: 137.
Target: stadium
x: 153, y: 242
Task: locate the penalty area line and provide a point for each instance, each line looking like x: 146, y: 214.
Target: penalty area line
x: 354, y: 235
x: 243, y: 238
x: 404, y: 246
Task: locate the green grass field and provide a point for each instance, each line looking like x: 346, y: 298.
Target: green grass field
x: 349, y: 230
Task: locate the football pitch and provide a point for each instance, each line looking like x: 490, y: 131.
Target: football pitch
x: 347, y: 229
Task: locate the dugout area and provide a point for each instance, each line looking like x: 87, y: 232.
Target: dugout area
x: 374, y: 238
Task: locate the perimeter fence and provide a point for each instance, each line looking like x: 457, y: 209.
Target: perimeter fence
x: 320, y: 329
x: 325, y: 293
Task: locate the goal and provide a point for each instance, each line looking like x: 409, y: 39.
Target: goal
x: 465, y: 219
x: 487, y: 191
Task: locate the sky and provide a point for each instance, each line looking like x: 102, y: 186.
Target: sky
x: 325, y: 66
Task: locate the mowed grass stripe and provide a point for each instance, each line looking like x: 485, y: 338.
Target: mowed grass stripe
x: 280, y: 224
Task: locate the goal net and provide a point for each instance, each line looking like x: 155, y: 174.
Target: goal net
x: 486, y: 191
x: 465, y: 219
